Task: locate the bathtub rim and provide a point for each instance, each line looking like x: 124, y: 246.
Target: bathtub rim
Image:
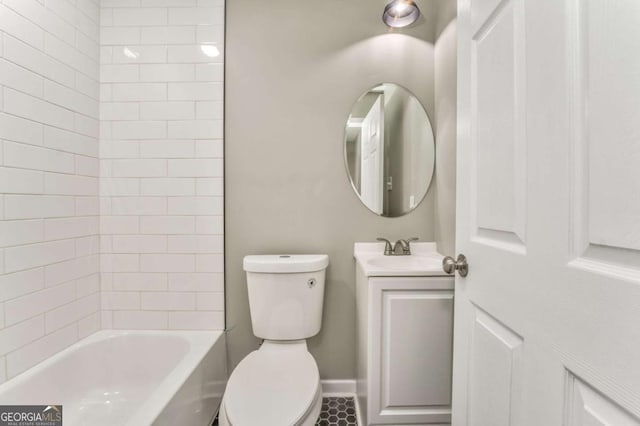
x: 200, y: 343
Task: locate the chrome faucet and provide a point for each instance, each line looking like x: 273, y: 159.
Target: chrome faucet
x: 403, y: 245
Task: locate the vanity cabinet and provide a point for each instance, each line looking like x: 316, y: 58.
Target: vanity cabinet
x: 404, y: 348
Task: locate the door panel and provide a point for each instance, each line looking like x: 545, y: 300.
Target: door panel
x: 497, y: 122
x: 548, y: 213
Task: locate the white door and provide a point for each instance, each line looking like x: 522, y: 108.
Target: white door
x: 547, y: 323
x: 372, y: 157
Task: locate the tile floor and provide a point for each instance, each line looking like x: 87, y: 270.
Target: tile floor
x: 336, y: 411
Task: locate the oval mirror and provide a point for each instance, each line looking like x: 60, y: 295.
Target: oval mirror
x: 389, y: 150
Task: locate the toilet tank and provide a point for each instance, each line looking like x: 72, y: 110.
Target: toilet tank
x: 286, y: 293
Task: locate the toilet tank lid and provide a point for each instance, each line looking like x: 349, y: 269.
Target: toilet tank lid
x: 285, y: 263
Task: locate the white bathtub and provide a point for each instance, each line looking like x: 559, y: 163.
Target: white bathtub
x: 129, y: 378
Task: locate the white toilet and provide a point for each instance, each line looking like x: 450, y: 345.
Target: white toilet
x: 279, y: 384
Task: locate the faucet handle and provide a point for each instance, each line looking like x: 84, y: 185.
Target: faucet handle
x: 406, y: 247
x: 388, y: 250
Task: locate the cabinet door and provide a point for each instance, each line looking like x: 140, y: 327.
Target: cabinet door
x: 411, y: 350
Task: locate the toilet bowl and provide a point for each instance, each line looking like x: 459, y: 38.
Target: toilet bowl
x: 276, y: 385
x: 279, y: 384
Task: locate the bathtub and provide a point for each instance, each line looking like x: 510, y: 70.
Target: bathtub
x: 129, y: 378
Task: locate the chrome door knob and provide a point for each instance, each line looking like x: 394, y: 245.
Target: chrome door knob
x: 460, y: 264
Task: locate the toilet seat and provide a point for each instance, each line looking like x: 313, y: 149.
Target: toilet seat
x: 277, y: 385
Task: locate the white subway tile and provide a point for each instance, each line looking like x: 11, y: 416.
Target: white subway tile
x: 106, y: 320
x: 57, y: 229
x: 119, y: 3
x: 119, y: 73
x: 20, y: 130
x: 167, y: 225
x: 210, y: 263
x: 137, y: 54
x: 196, y: 168
x: 119, y: 36
x: 19, y: 78
x: 139, y: 16
x: 210, y: 187
x: 202, y: 320
x: 210, y: 72
x: 89, y: 284
x: 120, y: 262
x: 37, y: 206
x: 141, y: 206
x: 59, y: 184
x: 119, y: 224
x: 213, y: 282
x: 139, y: 244
x: 195, y: 91
x: 72, y: 269
x: 167, y: 72
x: 195, y: 206
x: 168, y: 35
x: 71, y: 312
x: 37, y: 61
x: 177, y: 148
x: 144, y: 320
x: 21, y: 283
x: 37, y: 158
x: 213, y: 34
x: 210, y: 110
x: 87, y: 85
x: 167, y: 187
x: 34, y: 255
x: 159, y: 301
x: 71, y: 56
x: 194, y: 54
x: 87, y: 246
x: 210, y: 149
x: 20, y: 27
x: 19, y: 181
x: 195, y: 129
x: 24, y: 307
x: 27, y: 106
x: 115, y: 301
x: 43, y: 18
x: 87, y: 166
x: 88, y: 126
x: 14, y: 337
x: 210, y: 225
x: 210, y: 301
x: 167, y: 263
x: 139, y: 92
x: 140, y: 282
x: 33, y: 353
x: 119, y: 111
x: 70, y: 99
x: 139, y: 168
x: 87, y: 206
x: 119, y: 149
x: 168, y: 3
x: 18, y: 232
x: 196, y: 16
x: 119, y: 187
x: 195, y: 244
x: 167, y: 110
x: 71, y: 142
x: 139, y: 129
x: 89, y: 325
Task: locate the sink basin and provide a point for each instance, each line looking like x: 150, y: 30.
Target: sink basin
x: 400, y: 262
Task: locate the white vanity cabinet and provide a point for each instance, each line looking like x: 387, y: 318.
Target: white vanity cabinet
x: 404, y: 345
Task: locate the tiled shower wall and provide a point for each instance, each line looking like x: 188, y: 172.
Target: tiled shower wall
x: 161, y: 164
x: 49, y: 242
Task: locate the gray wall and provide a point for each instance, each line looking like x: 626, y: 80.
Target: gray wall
x: 294, y: 69
x: 445, y: 173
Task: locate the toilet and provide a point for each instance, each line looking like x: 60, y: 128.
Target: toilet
x: 279, y: 384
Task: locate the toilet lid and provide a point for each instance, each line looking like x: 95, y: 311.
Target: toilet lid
x: 272, y: 387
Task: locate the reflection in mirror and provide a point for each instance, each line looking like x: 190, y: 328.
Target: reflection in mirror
x: 389, y: 150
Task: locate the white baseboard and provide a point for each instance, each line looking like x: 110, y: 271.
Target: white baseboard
x: 338, y: 387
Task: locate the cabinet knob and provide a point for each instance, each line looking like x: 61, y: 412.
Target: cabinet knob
x: 460, y: 264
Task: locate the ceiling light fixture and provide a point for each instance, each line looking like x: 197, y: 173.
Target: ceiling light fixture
x: 400, y: 13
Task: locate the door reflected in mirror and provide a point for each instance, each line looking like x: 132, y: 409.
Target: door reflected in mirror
x: 389, y: 150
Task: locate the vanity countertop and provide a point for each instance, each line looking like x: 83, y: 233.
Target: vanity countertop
x: 423, y: 261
